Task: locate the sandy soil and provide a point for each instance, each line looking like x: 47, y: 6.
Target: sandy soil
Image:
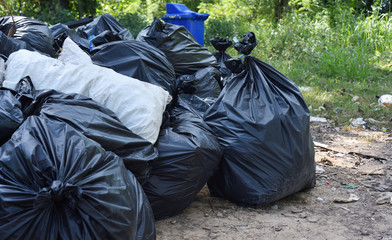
x: 354, y: 165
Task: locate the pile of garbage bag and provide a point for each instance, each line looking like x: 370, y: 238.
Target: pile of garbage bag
x: 102, y: 134
x: 137, y: 104
x: 57, y: 182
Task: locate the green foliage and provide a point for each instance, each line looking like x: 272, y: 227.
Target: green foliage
x: 47, y: 11
x: 340, y: 48
x: 350, y: 64
x: 226, y: 28
x: 129, y: 13
x: 245, y: 10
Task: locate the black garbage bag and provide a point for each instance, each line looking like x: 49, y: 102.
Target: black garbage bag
x: 204, y: 83
x: 137, y: 60
x: 188, y: 155
x: 180, y: 47
x: 11, y: 115
x: 93, y: 121
x: 34, y: 33
x: 57, y: 184
x: 262, y: 123
x: 103, y: 23
x: 9, y: 45
x: 60, y: 32
x: 247, y: 44
x: 80, y: 22
x: 221, y: 44
x: 102, y: 29
x: 235, y: 65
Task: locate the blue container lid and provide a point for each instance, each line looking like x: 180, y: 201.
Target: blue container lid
x: 180, y: 11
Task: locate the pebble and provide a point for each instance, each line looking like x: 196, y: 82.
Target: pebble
x: 365, y: 233
x: 297, y: 211
x: 385, y: 198
x: 303, y: 215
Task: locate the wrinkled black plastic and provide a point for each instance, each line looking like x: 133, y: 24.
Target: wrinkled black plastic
x: 102, y: 126
x: 188, y: 155
x: 221, y: 44
x: 234, y: 65
x: 34, y: 33
x: 180, y: 47
x: 61, y: 31
x: 262, y: 123
x: 9, y: 45
x: 11, y: 115
x: 80, y: 22
x: 57, y: 184
x: 247, y: 44
x: 103, y: 23
x: 137, y: 60
x: 102, y: 30
x: 94, y: 121
x: 204, y: 83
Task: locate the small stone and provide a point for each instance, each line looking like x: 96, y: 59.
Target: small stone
x: 355, y: 98
x: 219, y: 214
x: 274, y: 207
x: 297, y: 211
x: 206, y: 215
x: 385, y: 198
x: 303, y: 215
x: 173, y: 221
x: 312, y: 220
x: 243, y: 227
x: 278, y: 228
x: 365, y: 233
x: 214, y: 236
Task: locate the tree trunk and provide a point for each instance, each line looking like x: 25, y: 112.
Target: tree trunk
x: 280, y: 6
x: 64, y: 4
x: 80, y: 9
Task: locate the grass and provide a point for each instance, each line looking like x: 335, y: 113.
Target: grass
x: 352, y: 58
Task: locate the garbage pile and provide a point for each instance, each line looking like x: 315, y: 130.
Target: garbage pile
x: 102, y: 134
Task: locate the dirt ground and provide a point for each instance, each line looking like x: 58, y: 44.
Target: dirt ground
x: 352, y: 198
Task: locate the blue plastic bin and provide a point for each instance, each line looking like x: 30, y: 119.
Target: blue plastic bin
x: 180, y: 14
